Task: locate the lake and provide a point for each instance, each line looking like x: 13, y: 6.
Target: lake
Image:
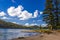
x: 7, y: 34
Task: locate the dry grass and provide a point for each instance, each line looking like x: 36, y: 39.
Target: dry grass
x: 58, y: 30
x: 44, y: 31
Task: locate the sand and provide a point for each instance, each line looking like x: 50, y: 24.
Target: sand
x: 43, y: 36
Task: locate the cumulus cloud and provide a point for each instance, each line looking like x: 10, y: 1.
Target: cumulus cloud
x: 41, y: 12
x: 14, y: 22
x: 2, y: 13
x: 44, y: 25
x: 27, y: 24
x: 12, y: 11
x: 20, y: 13
x: 25, y: 15
x: 33, y: 24
x: 35, y: 13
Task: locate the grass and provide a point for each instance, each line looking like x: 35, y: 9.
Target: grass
x: 58, y: 30
x: 44, y: 31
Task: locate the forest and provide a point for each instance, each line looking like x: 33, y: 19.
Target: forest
x: 51, y: 14
x: 4, y: 24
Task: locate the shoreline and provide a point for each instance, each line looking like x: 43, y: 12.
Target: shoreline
x: 43, y: 36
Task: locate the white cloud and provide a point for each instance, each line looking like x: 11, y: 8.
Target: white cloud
x: 20, y: 13
x: 35, y: 13
x: 41, y: 12
x: 2, y: 13
x: 12, y: 11
x: 14, y: 22
x: 33, y: 24
x: 5, y: 18
x: 25, y: 15
x: 27, y: 24
x: 44, y: 25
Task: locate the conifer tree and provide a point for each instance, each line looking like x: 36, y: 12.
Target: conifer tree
x: 52, y: 13
x: 48, y: 13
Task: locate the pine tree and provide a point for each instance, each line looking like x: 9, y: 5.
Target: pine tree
x: 57, y: 12
x: 52, y: 13
x: 48, y: 13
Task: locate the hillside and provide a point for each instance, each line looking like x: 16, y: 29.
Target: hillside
x: 4, y: 24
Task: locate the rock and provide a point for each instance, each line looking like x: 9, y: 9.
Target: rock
x: 21, y: 38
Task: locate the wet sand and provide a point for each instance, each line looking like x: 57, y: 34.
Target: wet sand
x: 43, y: 36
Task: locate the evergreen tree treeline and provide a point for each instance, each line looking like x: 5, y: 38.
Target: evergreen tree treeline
x: 52, y: 14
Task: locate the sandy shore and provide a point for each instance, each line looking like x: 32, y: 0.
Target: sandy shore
x: 44, y: 36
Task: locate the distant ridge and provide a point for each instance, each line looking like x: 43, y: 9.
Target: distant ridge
x: 4, y: 24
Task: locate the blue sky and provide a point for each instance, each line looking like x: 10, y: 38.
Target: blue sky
x: 25, y: 12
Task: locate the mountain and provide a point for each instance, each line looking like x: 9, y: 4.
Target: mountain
x: 4, y: 24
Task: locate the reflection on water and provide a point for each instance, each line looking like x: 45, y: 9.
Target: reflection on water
x: 6, y: 34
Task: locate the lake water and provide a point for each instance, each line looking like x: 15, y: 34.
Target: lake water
x: 7, y: 34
